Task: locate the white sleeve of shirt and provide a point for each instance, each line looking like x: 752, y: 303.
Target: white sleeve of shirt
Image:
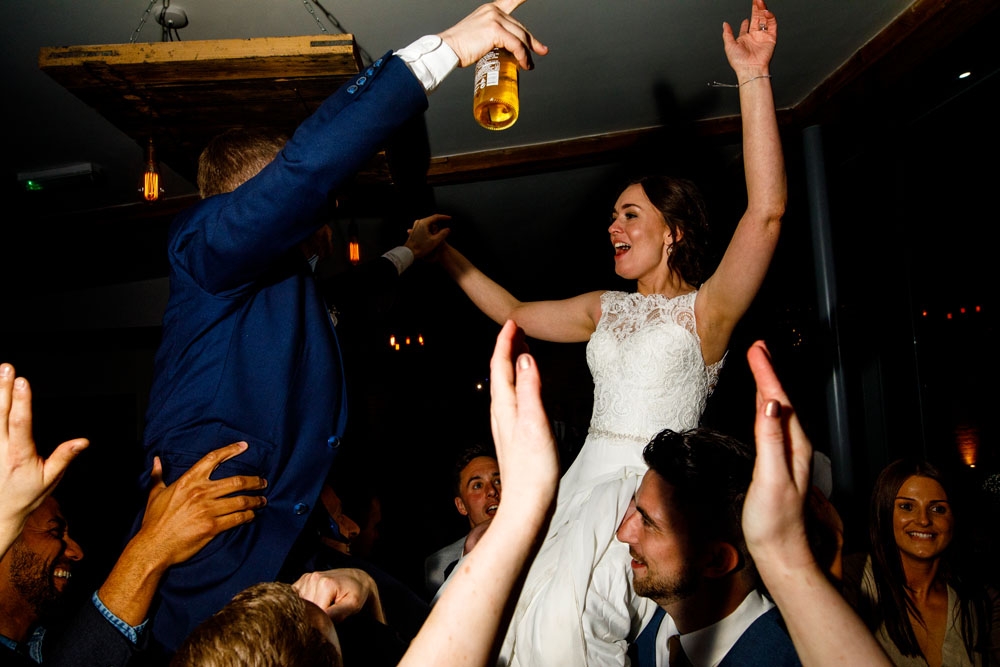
x: 430, y: 60
x: 400, y: 256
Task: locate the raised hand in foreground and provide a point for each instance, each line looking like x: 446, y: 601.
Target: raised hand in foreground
x: 822, y: 625
x: 529, y: 467
x: 26, y: 479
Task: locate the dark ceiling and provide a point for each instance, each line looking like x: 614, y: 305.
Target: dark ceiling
x: 623, y: 82
x: 616, y: 71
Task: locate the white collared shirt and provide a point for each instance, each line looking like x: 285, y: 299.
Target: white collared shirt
x: 710, y: 645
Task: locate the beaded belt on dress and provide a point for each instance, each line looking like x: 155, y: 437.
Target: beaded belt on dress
x: 611, y: 435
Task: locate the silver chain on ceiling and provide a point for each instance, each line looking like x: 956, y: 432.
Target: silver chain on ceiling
x: 169, y: 35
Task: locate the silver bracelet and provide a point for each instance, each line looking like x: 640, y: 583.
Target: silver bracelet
x: 716, y: 84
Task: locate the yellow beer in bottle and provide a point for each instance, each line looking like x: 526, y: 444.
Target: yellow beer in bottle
x: 495, y: 103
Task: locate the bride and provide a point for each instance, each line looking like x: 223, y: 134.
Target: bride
x: 655, y: 355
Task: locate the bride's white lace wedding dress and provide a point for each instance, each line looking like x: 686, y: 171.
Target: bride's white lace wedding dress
x: 577, y: 607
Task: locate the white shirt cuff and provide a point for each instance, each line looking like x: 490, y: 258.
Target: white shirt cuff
x: 430, y: 60
x: 401, y: 257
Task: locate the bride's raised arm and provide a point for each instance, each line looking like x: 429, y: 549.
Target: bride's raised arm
x: 728, y: 293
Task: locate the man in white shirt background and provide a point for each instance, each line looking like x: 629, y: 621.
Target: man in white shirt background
x: 477, y: 496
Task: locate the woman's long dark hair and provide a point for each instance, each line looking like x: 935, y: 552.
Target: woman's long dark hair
x: 895, y: 602
x: 683, y: 208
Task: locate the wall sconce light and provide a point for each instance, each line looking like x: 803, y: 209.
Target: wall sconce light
x: 353, y: 246
x: 151, y: 189
x: 967, y: 439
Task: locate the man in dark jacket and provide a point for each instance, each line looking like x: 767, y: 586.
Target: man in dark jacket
x: 688, y: 555
x: 249, y: 352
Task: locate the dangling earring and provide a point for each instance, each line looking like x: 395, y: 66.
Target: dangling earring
x: 670, y: 249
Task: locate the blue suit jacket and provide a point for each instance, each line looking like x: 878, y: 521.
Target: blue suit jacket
x: 248, y: 350
x: 765, y: 643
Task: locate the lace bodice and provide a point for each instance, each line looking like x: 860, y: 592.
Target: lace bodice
x: 577, y: 606
x: 648, y: 370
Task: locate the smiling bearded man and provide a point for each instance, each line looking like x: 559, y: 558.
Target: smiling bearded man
x: 34, y: 574
x: 684, y: 534
x: 35, y: 579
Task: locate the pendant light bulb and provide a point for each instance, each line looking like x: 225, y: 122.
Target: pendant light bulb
x: 353, y: 245
x: 151, y: 189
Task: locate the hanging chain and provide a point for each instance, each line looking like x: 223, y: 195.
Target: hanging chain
x: 365, y: 58
x: 308, y: 4
x: 142, y: 21
x: 312, y: 11
x: 166, y: 33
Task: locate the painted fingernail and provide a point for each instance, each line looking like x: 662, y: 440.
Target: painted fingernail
x: 772, y: 409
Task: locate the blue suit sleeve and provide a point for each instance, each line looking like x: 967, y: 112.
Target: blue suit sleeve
x: 228, y: 241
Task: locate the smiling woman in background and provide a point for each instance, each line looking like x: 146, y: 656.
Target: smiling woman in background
x: 911, y: 589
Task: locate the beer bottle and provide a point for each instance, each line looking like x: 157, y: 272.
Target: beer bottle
x: 494, y: 102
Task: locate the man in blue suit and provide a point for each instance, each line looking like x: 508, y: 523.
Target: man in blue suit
x: 688, y: 555
x: 248, y: 351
